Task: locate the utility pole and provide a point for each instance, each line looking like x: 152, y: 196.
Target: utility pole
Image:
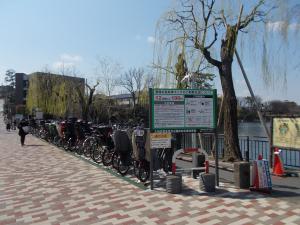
x: 252, y: 95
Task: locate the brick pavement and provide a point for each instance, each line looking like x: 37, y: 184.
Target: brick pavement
x: 40, y: 184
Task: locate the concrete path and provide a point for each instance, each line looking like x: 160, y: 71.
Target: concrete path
x: 41, y: 184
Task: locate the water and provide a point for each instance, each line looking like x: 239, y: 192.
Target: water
x: 252, y: 129
x: 261, y: 145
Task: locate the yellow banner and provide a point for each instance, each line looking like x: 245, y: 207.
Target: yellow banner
x: 286, y: 132
x: 160, y: 135
x: 160, y: 140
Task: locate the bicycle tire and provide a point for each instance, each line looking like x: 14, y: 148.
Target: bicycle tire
x: 97, y: 153
x: 143, y: 174
x: 115, y: 160
x: 122, y: 169
x: 107, y: 157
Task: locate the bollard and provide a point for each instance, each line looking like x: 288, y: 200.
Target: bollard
x: 207, y: 182
x: 174, y: 183
x: 242, y: 174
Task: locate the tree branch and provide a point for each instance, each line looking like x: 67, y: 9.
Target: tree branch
x: 251, y: 17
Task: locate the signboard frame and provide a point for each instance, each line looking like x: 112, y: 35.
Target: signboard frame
x: 276, y: 143
x: 206, y: 93
x: 272, y: 144
x: 191, y: 93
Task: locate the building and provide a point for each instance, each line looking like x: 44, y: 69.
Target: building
x: 7, y: 93
x: 123, y: 99
x: 22, y: 84
x: 6, y: 90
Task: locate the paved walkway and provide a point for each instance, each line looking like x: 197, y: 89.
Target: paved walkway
x: 41, y: 184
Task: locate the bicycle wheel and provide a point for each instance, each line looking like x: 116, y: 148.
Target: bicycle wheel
x: 79, y: 148
x: 97, y: 151
x: 143, y: 172
x: 123, y: 168
x: 66, y: 145
x: 107, y: 156
x: 115, y: 160
x: 87, y: 147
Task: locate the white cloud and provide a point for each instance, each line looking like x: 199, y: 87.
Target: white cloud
x: 279, y: 26
x: 67, y: 61
x: 61, y: 64
x: 294, y: 26
x: 70, y: 58
x: 150, y: 39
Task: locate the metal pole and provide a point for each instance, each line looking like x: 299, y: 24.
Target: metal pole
x: 252, y: 95
x: 271, y: 143
x: 151, y: 168
x: 216, y: 157
x: 248, y: 149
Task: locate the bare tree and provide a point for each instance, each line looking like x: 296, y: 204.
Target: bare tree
x: 107, y: 70
x: 132, y: 81
x: 200, y: 23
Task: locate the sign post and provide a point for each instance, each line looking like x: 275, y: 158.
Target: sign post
x: 181, y: 110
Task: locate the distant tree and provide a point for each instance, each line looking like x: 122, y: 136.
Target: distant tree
x: 132, y: 81
x: 10, y: 77
x: 277, y: 107
x: 107, y: 71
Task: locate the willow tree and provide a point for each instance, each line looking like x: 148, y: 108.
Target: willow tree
x: 54, y: 94
x: 201, y: 23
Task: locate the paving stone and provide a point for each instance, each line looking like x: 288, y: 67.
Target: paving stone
x: 41, y: 184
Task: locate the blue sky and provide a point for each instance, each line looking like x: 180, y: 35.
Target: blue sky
x: 39, y: 33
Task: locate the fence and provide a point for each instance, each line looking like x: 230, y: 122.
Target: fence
x: 250, y: 146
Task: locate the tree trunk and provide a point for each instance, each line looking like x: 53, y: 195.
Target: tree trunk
x: 231, y: 141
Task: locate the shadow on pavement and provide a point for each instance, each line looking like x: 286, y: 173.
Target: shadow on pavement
x: 280, y: 193
x: 33, y: 145
x: 284, y: 186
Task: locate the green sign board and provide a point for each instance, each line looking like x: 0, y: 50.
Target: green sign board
x: 183, y: 110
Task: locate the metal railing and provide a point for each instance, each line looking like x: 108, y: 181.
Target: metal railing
x: 250, y: 147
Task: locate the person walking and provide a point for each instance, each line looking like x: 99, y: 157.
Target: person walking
x: 8, y: 126
x: 23, y: 130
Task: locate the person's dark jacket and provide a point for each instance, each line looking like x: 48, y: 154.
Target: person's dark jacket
x: 22, y: 124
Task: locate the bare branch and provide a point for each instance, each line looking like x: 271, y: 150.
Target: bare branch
x: 169, y: 70
x: 255, y: 13
x: 215, y: 38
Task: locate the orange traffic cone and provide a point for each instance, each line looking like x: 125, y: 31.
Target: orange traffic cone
x: 278, y: 169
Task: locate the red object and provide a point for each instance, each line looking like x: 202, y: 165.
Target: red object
x: 255, y: 180
x: 206, y: 167
x: 173, y: 168
x: 278, y: 169
x: 188, y: 150
x: 260, y: 157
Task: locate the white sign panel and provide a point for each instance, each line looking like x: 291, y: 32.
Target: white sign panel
x: 160, y: 140
x: 183, y: 109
